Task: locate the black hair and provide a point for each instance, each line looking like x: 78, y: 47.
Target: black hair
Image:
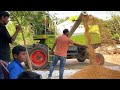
x: 29, y: 75
x: 65, y: 31
x: 17, y: 49
x: 4, y: 13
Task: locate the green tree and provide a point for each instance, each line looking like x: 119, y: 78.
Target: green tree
x: 30, y: 22
x: 114, y: 26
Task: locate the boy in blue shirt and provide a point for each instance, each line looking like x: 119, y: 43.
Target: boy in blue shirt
x: 15, y: 68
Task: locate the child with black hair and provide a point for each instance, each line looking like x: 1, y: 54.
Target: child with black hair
x: 15, y: 67
x: 29, y: 75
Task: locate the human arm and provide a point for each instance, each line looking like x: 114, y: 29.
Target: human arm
x: 3, y: 63
x: 18, y: 28
x: 80, y: 45
x: 52, y: 50
x: 6, y: 36
x: 53, y: 46
x: 71, y: 42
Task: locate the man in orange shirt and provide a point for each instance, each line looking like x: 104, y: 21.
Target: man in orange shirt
x: 61, y: 46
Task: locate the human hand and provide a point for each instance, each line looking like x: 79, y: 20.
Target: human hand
x: 52, y: 52
x: 3, y: 63
x: 18, y: 28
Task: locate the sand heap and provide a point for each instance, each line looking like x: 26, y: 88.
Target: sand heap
x: 96, y: 72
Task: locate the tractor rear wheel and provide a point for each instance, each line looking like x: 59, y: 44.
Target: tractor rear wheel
x: 39, y: 56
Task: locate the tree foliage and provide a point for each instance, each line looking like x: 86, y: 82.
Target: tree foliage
x: 30, y: 22
x: 114, y: 26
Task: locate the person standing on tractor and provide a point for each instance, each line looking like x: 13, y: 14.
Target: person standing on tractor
x: 5, y: 39
x: 61, y: 46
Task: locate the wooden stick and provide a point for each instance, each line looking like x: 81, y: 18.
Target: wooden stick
x: 28, y: 59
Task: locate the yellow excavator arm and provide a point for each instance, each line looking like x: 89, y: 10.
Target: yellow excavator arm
x: 77, y: 23
x: 95, y: 58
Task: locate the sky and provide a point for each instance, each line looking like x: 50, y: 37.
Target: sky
x: 100, y: 14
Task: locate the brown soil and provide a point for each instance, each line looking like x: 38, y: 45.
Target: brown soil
x: 96, y: 72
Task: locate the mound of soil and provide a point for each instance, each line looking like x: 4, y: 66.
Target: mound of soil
x: 96, y: 72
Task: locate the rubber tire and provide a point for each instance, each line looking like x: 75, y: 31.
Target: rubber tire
x: 102, y: 59
x: 81, y: 57
x: 45, y: 50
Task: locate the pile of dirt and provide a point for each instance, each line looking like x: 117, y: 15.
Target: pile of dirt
x: 96, y: 72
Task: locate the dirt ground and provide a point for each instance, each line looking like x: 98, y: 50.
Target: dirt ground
x: 111, y: 54
x: 72, y: 65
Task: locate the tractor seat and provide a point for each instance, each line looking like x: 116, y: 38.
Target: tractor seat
x: 5, y: 72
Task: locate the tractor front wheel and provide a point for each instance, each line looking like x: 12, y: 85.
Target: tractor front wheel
x: 82, y: 54
x: 99, y: 59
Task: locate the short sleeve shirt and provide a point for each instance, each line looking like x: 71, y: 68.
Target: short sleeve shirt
x: 5, y: 39
x: 62, y: 43
x: 15, y: 68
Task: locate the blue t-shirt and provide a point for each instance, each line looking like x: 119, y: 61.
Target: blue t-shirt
x: 15, y: 68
